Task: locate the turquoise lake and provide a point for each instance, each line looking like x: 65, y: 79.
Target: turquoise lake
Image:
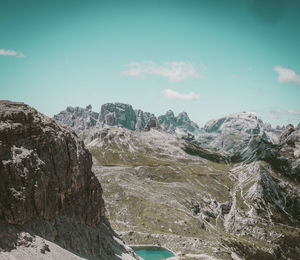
x: 152, y: 253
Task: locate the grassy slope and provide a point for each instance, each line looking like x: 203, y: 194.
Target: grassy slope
x: 150, y: 196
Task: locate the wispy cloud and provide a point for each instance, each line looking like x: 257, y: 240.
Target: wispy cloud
x: 173, y: 71
x: 172, y: 94
x: 276, y: 113
x: 4, y: 52
x: 287, y: 75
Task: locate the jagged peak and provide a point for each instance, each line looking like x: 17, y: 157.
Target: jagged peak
x: 183, y: 113
x: 117, y: 104
x: 242, y: 121
x: 152, y: 123
x: 170, y: 113
x: 88, y: 107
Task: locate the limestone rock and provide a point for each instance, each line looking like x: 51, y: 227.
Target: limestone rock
x: 46, y: 179
x: 78, y: 118
x: 232, y: 134
x: 152, y: 124
x: 179, y: 125
x: 287, y: 131
x: 141, y: 119
x: 118, y: 114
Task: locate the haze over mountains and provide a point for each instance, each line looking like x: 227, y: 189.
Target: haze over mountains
x: 228, y: 134
x: 229, y: 190
x: 206, y: 180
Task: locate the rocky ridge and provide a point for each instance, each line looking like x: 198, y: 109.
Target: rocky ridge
x: 78, y: 118
x: 202, y: 205
x: 232, y: 134
x: 49, y: 192
x: 86, y: 122
x: 179, y: 125
x: 229, y: 134
x: 231, y: 191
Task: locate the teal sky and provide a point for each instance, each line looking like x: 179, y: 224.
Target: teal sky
x: 223, y: 53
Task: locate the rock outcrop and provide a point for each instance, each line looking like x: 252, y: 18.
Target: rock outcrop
x: 118, y: 114
x: 152, y: 124
x: 78, y: 118
x: 48, y: 188
x: 228, y: 190
x: 86, y: 122
x: 141, y: 119
x: 201, y: 202
x: 232, y: 134
x: 286, y: 132
x: 179, y: 125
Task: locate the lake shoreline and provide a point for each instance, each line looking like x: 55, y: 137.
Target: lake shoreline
x: 149, y: 246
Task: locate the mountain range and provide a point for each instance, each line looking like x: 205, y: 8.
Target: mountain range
x: 228, y: 134
x: 228, y: 190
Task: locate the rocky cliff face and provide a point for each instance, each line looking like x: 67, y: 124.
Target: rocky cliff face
x: 141, y: 119
x: 239, y: 197
x: 203, y: 205
x: 180, y: 125
x: 86, y: 122
x: 78, y: 118
x: 152, y: 123
x: 232, y: 134
x: 118, y: 114
x: 48, y: 189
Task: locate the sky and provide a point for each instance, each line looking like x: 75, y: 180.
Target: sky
x: 208, y: 58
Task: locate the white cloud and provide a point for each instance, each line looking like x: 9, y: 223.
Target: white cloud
x: 171, y: 94
x: 173, y: 71
x: 287, y: 75
x: 11, y: 53
x: 289, y: 113
x: 285, y: 112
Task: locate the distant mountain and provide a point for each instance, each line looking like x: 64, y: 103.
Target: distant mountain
x: 118, y: 114
x: 232, y: 134
x: 123, y: 115
x: 224, y: 191
x: 193, y: 201
x: 141, y: 119
x: 229, y: 134
x: 179, y: 125
x: 78, y: 118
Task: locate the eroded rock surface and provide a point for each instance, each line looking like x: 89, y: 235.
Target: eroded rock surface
x: 179, y: 125
x: 48, y: 188
x: 118, y: 114
x: 78, y: 118
x: 232, y: 134
x: 171, y: 191
x: 152, y: 124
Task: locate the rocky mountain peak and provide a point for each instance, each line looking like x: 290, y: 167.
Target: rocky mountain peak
x: 141, y: 119
x: 287, y: 131
x: 183, y: 119
x: 231, y: 134
x: 48, y: 190
x: 181, y: 124
x: 78, y: 118
x: 168, y: 121
x: 152, y: 124
x: 242, y: 122
x: 38, y: 155
x: 118, y: 114
x: 170, y: 114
